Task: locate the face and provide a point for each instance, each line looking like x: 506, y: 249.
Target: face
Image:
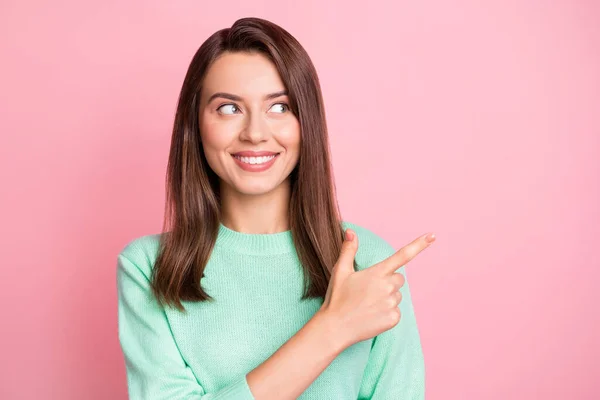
x: 244, y: 109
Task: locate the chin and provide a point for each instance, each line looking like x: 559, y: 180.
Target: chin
x: 254, y: 189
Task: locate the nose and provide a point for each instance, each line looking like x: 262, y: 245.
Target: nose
x: 256, y: 129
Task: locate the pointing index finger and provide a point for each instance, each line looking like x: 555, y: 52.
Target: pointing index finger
x: 406, y: 253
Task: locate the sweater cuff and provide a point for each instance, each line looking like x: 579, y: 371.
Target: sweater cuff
x: 238, y: 389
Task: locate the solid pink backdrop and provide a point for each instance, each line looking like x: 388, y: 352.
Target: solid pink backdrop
x: 476, y: 120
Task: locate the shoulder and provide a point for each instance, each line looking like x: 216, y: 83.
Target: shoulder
x: 140, y: 253
x: 372, y: 248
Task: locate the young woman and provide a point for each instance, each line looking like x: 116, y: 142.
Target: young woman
x: 256, y: 289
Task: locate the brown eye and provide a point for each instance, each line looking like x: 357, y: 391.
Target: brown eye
x: 230, y: 109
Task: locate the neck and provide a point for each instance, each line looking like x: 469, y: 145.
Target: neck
x: 262, y: 213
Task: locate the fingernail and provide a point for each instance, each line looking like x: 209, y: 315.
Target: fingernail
x: 349, y: 235
x: 430, y: 238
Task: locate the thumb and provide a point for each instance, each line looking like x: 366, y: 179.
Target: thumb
x: 345, y: 263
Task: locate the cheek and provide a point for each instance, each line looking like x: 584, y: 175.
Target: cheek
x: 214, y: 137
x: 213, y: 145
x: 289, y: 137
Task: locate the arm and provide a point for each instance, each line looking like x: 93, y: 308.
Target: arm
x: 396, y: 368
x: 156, y: 370
x: 296, y: 364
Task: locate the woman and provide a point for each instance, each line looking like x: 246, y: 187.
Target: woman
x: 238, y: 298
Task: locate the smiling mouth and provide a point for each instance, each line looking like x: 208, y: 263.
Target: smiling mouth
x: 256, y: 160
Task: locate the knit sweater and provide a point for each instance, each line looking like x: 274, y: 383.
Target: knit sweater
x: 257, y: 283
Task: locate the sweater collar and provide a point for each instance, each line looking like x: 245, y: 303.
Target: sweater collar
x: 255, y: 243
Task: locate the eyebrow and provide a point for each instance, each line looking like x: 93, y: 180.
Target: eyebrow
x: 234, y: 97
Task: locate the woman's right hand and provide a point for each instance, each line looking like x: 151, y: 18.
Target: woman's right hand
x: 363, y: 304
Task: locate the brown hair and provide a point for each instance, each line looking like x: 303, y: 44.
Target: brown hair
x: 192, y: 209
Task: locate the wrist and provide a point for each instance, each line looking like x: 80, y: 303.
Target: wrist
x: 332, y: 330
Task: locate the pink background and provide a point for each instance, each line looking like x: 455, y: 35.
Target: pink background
x: 477, y: 120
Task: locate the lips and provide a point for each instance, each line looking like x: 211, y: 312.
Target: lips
x: 255, y: 167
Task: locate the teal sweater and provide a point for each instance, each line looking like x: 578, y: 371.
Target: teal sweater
x: 256, y: 281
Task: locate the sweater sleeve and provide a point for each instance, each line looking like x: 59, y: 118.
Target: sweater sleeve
x: 395, y: 369
x: 154, y: 366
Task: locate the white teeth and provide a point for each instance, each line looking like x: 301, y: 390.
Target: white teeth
x: 255, y: 160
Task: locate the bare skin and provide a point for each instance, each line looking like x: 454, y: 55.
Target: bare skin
x: 251, y: 202
x: 358, y: 305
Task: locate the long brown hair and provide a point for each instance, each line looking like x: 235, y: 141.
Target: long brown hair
x: 192, y: 209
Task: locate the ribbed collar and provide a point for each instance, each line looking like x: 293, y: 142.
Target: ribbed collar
x: 255, y: 243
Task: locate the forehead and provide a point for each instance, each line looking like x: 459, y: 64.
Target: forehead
x: 243, y: 74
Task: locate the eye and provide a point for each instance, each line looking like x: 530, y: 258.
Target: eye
x: 282, y: 107
x: 230, y: 107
